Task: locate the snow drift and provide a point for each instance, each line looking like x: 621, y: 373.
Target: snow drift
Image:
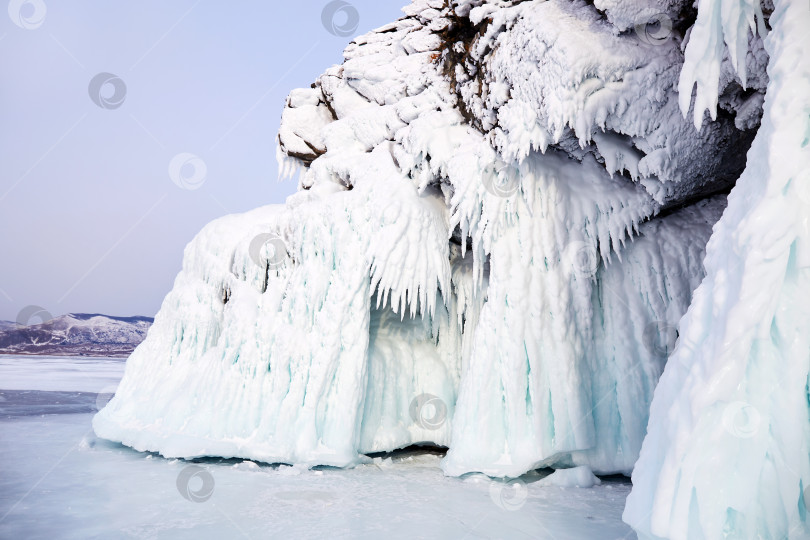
x: 502, y: 216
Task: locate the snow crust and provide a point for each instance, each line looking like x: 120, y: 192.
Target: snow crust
x: 726, y: 455
x: 494, y: 238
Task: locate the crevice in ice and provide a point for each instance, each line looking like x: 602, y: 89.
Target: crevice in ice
x: 226, y: 294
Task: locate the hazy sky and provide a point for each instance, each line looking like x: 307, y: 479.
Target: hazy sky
x: 91, y: 220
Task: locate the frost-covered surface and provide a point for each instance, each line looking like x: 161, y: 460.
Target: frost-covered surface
x: 581, y: 381
x: 726, y: 455
x: 497, y: 217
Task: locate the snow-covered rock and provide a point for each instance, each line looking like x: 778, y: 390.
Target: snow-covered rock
x: 502, y: 216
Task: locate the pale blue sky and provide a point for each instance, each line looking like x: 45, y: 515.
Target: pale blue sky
x: 90, y: 219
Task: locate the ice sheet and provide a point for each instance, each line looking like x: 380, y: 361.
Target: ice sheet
x: 75, y: 374
x: 57, y: 480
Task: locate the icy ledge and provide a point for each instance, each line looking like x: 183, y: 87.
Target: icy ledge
x: 237, y: 365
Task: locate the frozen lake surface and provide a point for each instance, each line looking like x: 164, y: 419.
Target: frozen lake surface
x: 69, y: 374
x: 57, y: 480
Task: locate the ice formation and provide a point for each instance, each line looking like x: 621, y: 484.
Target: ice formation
x: 729, y: 436
x: 581, y: 477
x: 502, y: 217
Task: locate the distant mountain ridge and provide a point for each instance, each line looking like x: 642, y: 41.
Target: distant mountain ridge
x: 75, y: 334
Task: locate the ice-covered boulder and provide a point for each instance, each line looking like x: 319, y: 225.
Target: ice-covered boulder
x: 502, y: 215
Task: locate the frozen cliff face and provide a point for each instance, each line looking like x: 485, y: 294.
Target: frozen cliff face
x: 729, y: 435
x: 502, y: 217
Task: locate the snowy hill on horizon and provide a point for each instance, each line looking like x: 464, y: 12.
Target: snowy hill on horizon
x: 75, y: 334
